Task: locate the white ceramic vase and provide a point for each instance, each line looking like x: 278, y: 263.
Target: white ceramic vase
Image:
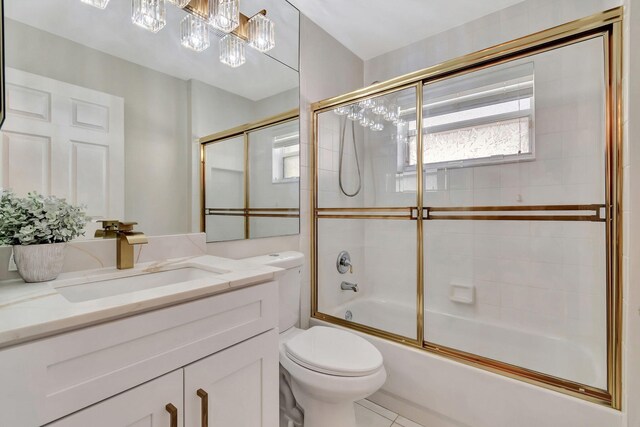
x: 39, y: 263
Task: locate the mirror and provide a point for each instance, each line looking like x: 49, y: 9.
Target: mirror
x: 110, y: 115
x: 251, y: 178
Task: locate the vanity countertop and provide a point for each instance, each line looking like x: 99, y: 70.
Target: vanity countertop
x: 30, y: 311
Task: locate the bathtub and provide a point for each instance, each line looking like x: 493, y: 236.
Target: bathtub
x: 440, y: 392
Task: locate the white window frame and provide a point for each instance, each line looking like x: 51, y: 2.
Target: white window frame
x: 279, y: 143
x: 408, y: 169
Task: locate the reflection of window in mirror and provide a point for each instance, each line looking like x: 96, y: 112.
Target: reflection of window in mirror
x: 286, y: 158
x: 478, y: 119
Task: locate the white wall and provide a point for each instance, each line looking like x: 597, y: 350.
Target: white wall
x: 631, y: 223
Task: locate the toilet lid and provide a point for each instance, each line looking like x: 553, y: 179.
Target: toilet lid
x: 333, y: 351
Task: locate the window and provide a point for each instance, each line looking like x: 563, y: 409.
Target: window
x: 474, y: 120
x: 286, y: 158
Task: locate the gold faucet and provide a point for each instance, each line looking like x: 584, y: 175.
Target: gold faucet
x: 126, y: 239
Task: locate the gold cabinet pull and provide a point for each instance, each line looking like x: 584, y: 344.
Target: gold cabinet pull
x: 204, y: 407
x: 173, y: 411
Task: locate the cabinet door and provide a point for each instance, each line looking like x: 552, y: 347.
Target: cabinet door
x: 143, y: 406
x: 241, y: 385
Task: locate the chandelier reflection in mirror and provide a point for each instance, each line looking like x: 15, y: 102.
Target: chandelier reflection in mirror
x: 223, y: 17
x: 372, y: 113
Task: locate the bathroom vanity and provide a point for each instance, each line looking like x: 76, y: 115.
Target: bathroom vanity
x: 190, y: 342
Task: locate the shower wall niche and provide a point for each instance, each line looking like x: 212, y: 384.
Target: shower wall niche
x: 478, y: 200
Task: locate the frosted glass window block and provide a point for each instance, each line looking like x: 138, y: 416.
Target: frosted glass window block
x: 539, y: 294
x: 224, y: 14
x: 261, y: 33
x: 149, y: 14
x: 232, y: 51
x: 100, y: 4
x: 180, y: 3
x: 383, y: 256
x: 194, y: 33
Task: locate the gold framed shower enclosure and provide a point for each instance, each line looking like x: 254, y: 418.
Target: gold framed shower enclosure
x: 607, y: 25
x: 246, y: 212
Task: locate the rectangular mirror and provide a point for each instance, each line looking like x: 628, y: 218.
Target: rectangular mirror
x: 109, y: 114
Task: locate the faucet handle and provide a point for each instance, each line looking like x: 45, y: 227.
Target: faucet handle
x: 109, y: 224
x: 126, y: 225
x: 108, y: 230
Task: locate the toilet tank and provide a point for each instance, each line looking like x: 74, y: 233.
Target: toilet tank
x: 289, y: 284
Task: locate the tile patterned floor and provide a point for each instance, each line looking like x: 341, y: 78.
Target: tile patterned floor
x: 368, y: 414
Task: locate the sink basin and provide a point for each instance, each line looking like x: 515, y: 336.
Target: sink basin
x: 103, y: 288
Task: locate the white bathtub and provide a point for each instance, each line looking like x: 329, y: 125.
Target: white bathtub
x: 441, y: 392
x: 550, y: 355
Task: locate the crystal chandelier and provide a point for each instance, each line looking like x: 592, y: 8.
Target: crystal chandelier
x: 194, y: 33
x: 100, y: 4
x: 222, y: 16
x: 371, y: 113
x: 149, y: 14
x: 232, y: 51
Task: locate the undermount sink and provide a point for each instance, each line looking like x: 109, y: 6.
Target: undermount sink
x: 102, y: 288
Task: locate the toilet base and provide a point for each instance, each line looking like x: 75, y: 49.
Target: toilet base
x: 323, y: 414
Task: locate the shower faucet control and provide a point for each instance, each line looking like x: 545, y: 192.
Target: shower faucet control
x: 346, y: 286
x: 343, y: 263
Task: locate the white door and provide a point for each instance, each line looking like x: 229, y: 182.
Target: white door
x: 238, y: 386
x: 63, y: 140
x: 142, y: 406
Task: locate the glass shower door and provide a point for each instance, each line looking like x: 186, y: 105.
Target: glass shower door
x: 224, y: 196
x: 366, y: 207
x: 514, y: 195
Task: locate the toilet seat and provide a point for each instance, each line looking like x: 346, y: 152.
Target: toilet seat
x: 333, y: 351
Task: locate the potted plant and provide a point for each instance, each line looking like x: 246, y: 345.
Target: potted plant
x: 38, y: 228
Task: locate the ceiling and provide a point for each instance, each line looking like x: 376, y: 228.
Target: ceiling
x: 111, y: 31
x: 372, y: 27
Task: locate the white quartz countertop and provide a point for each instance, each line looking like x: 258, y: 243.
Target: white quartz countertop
x: 30, y: 311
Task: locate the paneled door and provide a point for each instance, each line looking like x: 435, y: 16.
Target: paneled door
x: 144, y: 406
x: 237, y: 387
x: 63, y: 140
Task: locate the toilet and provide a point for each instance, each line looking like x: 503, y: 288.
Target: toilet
x: 327, y: 369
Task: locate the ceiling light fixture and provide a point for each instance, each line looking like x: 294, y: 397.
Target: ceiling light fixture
x: 232, y: 51
x: 261, y: 33
x: 194, y: 33
x: 180, y: 3
x: 149, y: 14
x: 224, y: 16
x: 100, y: 4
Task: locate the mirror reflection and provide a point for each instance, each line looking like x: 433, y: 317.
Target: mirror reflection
x: 107, y: 113
x: 252, y: 180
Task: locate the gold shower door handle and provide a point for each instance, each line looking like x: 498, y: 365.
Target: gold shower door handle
x: 204, y: 408
x: 173, y: 412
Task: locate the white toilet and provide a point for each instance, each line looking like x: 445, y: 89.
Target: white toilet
x: 329, y: 368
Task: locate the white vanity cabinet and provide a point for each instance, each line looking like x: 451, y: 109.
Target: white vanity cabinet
x: 143, y: 406
x: 125, y: 372
x: 237, y: 387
